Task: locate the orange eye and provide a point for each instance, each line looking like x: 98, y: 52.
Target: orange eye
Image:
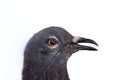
x: 49, y: 42
x: 52, y: 42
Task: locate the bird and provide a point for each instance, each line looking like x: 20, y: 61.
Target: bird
x: 47, y: 52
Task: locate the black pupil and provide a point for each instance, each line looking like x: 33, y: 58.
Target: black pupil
x: 53, y: 42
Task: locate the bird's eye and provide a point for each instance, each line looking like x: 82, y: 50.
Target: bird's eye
x: 52, y: 42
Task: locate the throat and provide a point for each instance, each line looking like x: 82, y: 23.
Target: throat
x: 47, y: 70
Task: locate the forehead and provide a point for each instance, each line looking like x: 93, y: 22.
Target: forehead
x: 58, y: 32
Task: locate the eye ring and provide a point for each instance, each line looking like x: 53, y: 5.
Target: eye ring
x: 52, y: 42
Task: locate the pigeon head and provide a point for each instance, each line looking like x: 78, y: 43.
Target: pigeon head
x: 47, y: 52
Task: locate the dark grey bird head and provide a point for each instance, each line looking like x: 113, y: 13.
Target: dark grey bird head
x: 47, y: 52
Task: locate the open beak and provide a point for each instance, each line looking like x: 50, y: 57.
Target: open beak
x: 77, y: 46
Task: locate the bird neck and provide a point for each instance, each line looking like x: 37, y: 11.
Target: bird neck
x: 45, y: 70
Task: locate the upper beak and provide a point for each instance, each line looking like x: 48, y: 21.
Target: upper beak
x: 77, y: 46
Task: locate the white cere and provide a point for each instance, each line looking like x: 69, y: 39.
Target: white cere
x: 75, y: 39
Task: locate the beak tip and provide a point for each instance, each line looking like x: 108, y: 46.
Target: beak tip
x: 93, y: 49
x: 96, y: 44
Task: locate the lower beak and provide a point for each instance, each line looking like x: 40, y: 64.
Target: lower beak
x: 77, y: 46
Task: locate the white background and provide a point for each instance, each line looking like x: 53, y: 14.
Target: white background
x: 95, y: 19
